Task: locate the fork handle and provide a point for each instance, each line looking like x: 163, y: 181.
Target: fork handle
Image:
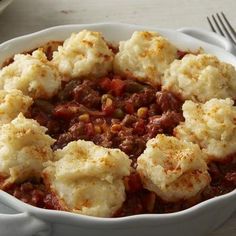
x: 209, y: 37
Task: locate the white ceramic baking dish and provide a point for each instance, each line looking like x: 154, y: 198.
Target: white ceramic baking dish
x: 18, y: 218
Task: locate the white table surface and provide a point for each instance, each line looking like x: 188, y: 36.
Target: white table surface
x: 26, y: 16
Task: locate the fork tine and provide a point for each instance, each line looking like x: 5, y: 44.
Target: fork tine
x: 223, y: 26
x: 228, y: 24
x: 225, y: 29
x: 217, y: 26
x: 211, y: 25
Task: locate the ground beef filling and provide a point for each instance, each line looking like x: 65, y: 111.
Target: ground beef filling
x: 117, y: 112
x: 112, y: 112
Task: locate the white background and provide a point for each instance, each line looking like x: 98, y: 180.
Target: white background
x: 26, y: 16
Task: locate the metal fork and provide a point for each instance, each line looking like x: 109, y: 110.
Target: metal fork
x: 223, y: 26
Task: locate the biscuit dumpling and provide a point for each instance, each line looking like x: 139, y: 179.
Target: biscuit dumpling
x: 145, y: 56
x: 13, y: 102
x: 200, y: 78
x: 88, y: 179
x: 85, y: 54
x: 211, y: 125
x: 173, y: 169
x: 33, y: 74
x: 24, y: 147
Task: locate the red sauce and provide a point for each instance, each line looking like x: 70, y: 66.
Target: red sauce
x: 112, y: 112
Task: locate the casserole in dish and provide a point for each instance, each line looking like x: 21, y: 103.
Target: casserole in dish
x: 164, y: 224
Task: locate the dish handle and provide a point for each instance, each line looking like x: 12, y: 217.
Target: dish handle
x: 23, y: 224
x: 209, y: 37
